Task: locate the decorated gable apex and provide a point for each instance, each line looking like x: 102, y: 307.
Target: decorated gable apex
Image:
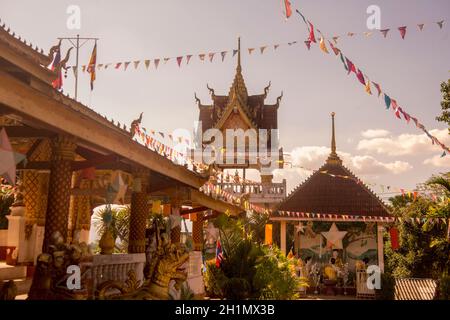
x: 238, y: 110
x: 334, y: 190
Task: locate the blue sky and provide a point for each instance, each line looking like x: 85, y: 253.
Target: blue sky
x: 314, y: 84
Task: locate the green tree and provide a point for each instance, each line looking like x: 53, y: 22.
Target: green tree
x: 445, y: 104
x: 424, y: 247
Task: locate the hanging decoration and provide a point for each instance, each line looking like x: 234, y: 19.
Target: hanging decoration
x: 389, y: 101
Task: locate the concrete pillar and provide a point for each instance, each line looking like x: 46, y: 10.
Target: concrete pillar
x: 380, y: 246
x: 283, y: 236
x: 56, y: 220
x: 139, y: 212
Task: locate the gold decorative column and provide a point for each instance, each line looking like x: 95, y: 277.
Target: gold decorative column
x: 56, y: 220
x: 139, y: 212
x: 197, y: 232
x: 80, y: 206
x: 35, y: 186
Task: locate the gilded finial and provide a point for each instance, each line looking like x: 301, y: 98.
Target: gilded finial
x: 333, y: 158
x: 239, y: 55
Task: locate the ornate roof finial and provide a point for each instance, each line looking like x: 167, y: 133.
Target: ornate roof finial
x: 333, y: 158
x: 238, y: 88
x: 239, y: 68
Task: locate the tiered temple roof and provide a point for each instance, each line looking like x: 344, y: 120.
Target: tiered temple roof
x: 335, y: 190
x: 252, y: 109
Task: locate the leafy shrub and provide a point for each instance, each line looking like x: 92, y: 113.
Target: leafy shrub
x: 444, y: 288
x: 387, y: 291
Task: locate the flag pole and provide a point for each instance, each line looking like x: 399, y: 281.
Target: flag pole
x: 77, y: 47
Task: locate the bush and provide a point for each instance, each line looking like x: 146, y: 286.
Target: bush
x: 6, y: 200
x: 387, y: 291
x: 444, y: 288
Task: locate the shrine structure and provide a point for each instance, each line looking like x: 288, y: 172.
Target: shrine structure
x: 244, y: 114
x: 336, y: 224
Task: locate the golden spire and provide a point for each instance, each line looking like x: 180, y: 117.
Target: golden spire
x: 333, y: 158
x: 238, y: 87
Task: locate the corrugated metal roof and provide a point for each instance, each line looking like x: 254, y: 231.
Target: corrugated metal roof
x: 415, y: 289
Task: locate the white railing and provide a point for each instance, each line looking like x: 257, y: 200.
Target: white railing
x: 114, y: 267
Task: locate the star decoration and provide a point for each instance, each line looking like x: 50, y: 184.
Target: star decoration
x: 300, y: 228
x: 8, y: 158
x: 334, y: 237
x: 120, y: 188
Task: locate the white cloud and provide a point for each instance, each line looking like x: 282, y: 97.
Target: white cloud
x: 375, y: 133
x: 404, y: 144
x: 313, y: 157
x: 307, y: 159
x: 438, y: 161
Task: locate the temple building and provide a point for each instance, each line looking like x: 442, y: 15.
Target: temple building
x: 73, y: 158
x: 335, y: 220
x: 239, y: 112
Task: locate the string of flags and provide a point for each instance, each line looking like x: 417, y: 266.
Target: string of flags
x: 386, y: 31
x: 210, y: 56
x: 344, y: 217
x: 368, y: 84
x: 165, y: 150
x: 180, y: 60
x: 216, y: 191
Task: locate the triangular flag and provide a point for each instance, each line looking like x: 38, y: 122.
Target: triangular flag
x: 387, y: 100
x: 444, y: 154
x: 126, y: 65
x: 234, y: 52
x: 250, y: 50
x: 350, y: 66
x: 308, y: 44
x: 179, y: 59
x: 118, y: 64
x: 367, y: 33
x: 188, y: 58
x: 261, y: 49
x: 147, y: 63
x: 156, y: 62
x: 303, y: 17
x: 343, y: 61
x: 211, y: 56
x: 402, y: 31
x: 136, y: 64
x: 201, y: 56
x: 223, y: 54
x: 360, y: 77
x: 107, y: 65
x: 335, y: 39
x: 322, y: 45
x: 368, y: 90
x: 421, y: 25
x: 166, y: 60
x: 350, y: 34
x: 312, y: 37
x: 378, y: 88
x: 83, y: 68
x: 440, y: 24
x: 385, y: 32
x: 287, y: 6
x: 335, y: 50
x: 275, y: 47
